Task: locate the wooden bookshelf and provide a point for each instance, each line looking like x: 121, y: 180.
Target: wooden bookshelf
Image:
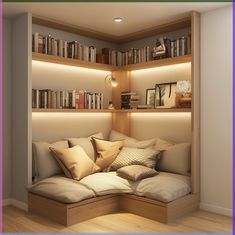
x: 71, y: 62
x: 159, y: 110
x: 106, y: 67
x: 159, y: 63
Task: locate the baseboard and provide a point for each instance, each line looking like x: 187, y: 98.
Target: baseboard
x: 16, y: 203
x: 216, y: 209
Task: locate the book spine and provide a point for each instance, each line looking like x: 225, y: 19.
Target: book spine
x: 73, y: 99
x: 77, y: 100
x: 65, y: 49
x: 101, y: 100
x: 60, y: 47
x: 36, y: 42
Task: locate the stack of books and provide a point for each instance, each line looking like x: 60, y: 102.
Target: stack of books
x: 119, y: 58
x: 49, y: 99
x: 49, y: 45
x: 129, y: 100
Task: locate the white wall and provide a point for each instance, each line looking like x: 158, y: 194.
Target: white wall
x: 7, y: 109
x: 216, y: 110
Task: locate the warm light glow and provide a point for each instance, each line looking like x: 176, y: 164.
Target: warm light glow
x: 118, y: 20
x: 165, y: 115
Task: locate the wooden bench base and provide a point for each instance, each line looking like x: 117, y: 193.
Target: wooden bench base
x: 69, y: 214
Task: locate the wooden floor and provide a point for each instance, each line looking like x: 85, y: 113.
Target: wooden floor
x: 15, y: 220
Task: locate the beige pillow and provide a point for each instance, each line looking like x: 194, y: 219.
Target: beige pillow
x: 162, y: 145
x: 86, y: 144
x: 135, y: 156
x: 107, y: 152
x: 131, y: 142
x: 176, y: 159
x: 74, y: 162
x: 45, y: 164
x: 136, y: 172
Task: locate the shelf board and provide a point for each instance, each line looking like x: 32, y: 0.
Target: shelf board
x: 159, y: 110
x: 159, y: 63
x: 71, y: 62
x: 106, y: 67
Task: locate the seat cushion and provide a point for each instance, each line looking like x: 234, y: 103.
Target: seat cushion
x: 165, y: 187
x: 62, y: 189
x: 104, y: 183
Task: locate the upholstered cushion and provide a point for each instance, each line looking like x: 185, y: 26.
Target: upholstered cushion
x: 45, y: 165
x: 135, y: 156
x: 162, y: 144
x: 176, y: 159
x: 136, y: 172
x: 164, y: 187
x: 74, y: 162
x: 131, y: 142
x: 86, y: 144
x: 107, y: 152
x: 107, y: 183
x: 62, y: 189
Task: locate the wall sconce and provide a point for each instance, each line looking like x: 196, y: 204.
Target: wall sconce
x: 110, y: 79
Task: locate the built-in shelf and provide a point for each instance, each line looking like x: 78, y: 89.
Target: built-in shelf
x: 72, y: 62
x: 106, y: 67
x: 114, y: 110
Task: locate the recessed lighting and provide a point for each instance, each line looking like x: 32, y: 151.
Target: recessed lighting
x: 118, y: 20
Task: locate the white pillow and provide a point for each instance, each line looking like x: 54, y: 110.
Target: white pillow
x: 86, y: 144
x: 135, y: 156
x: 131, y: 142
x: 45, y: 164
x: 176, y: 159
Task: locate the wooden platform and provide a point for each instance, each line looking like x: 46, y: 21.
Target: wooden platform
x: 69, y: 214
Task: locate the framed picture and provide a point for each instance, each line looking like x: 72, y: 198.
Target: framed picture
x: 165, y: 95
x: 150, y: 97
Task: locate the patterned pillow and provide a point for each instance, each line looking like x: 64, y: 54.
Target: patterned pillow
x: 135, y: 156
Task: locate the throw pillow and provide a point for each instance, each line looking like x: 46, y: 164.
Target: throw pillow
x: 136, y: 172
x: 74, y: 162
x: 134, y: 156
x: 176, y: 159
x: 44, y: 164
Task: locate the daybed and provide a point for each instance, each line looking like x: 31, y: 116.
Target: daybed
x: 162, y: 197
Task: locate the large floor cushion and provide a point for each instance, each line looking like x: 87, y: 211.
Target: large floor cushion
x: 62, y: 189
x: 108, y: 183
x: 164, y: 187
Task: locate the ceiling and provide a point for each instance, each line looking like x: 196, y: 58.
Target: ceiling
x: 99, y: 16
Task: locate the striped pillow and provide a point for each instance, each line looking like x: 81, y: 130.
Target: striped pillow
x: 134, y: 156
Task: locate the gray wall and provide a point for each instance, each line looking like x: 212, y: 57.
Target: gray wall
x: 7, y: 109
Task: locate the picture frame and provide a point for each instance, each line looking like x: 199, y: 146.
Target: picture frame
x: 150, y: 97
x: 165, y: 94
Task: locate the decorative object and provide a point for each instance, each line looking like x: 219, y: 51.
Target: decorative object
x: 165, y: 94
x: 111, y: 80
x: 111, y: 105
x: 150, y: 97
x: 183, y: 94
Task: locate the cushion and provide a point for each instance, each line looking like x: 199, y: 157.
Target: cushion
x: 107, y: 183
x: 86, y: 144
x: 164, y: 187
x: 131, y: 142
x: 162, y: 145
x: 176, y: 159
x: 107, y: 152
x: 135, y: 156
x: 136, y: 172
x: 74, y: 162
x: 45, y: 165
x: 62, y: 189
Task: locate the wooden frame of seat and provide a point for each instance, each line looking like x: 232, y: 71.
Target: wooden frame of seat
x: 69, y: 214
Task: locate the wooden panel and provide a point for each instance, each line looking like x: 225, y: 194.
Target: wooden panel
x: 49, y: 208
x: 56, y: 24
x: 124, y: 84
x: 143, y: 208
x: 159, y: 63
x: 158, y: 110
x: 71, y: 62
x: 182, y: 206
x: 91, y: 210
x: 121, y: 122
x: 74, y: 110
x: 195, y: 156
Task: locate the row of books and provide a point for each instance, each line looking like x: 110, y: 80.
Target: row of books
x: 49, y: 45
x: 50, y: 99
x: 119, y: 58
x: 129, y: 100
